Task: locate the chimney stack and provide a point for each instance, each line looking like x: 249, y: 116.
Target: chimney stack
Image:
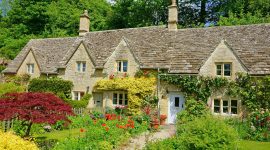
x: 173, y: 16
x: 84, y: 23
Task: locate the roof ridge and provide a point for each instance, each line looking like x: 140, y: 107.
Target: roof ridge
x: 234, y: 26
x: 57, y: 38
x: 112, y: 30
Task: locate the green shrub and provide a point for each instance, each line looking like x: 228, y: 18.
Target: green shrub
x: 207, y: 133
x: 10, y: 88
x: 2, y: 68
x: 58, y: 86
x: 81, y: 103
x: 168, y: 144
x: 241, y: 126
x: 80, y: 121
x: 193, y: 109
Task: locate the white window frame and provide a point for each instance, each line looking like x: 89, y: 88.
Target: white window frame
x: 77, y: 95
x: 124, y: 98
x: 30, y: 68
x: 221, y: 107
x: 120, y: 66
x: 222, y: 64
x: 81, y: 66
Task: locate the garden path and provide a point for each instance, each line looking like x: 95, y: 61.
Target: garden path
x: 137, y: 143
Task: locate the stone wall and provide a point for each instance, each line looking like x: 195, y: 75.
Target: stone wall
x: 222, y: 54
x: 82, y: 81
x: 122, y: 52
x: 30, y: 59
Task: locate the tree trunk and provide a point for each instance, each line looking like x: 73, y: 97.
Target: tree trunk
x: 28, y: 129
x: 203, y: 11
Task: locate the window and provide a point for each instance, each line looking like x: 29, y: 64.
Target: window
x: 217, y: 106
x: 223, y: 69
x: 176, y: 102
x: 120, y: 98
x: 234, y: 107
x: 81, y: 66
x: 77, y: 95
x: 225, y: 106
x: 126, y: 99
x: 30, y: 68
x: 122, y: 66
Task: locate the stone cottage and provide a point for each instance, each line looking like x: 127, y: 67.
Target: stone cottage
x: 84, y: 60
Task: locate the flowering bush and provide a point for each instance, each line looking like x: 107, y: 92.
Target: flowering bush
x: 260, y: 125
x: 10, y: 141
x: 47, y: 128
x: 163, y: 117
x: 137, y: 88
x: 102, y: 133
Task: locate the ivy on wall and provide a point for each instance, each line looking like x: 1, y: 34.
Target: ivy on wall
x: 253, y: 91
x: 137, y: 88
x: 199, y: 87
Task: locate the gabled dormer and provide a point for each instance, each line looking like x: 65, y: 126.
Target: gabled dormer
x: 223, y: 62
x: 122, y: 61
x: 30, y: 65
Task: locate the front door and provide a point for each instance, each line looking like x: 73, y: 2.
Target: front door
x: 98, y: 99
x: 176, y: 104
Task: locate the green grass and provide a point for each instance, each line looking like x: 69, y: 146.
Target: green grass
x: 251, y: 145
x: 60, y: 135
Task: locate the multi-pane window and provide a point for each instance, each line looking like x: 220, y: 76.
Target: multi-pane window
x: 120, y: 98
x: 216, y: 105
x: 234, y: 106
x: 81, y: 66
x: 224, y: 69
x: 30, y: 68
x: 77, y: 95
x: 122, y: 66
x: 225, y: 106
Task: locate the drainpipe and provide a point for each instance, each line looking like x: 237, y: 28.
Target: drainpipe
x: 158, y: 85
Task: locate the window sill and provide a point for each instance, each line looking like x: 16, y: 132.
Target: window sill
x: 225, y: 114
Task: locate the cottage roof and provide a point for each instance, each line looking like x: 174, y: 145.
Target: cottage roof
x: 181, y: 51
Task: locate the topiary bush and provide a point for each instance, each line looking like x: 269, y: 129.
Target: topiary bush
x: 10, y: 141
x: 207, y: 133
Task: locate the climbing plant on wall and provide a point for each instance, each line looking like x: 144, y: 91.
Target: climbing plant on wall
x: 198, y: 87
x: 137, y: 88
x: 253, y: 91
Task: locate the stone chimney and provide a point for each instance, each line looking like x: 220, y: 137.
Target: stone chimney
x: 84, y: 23
x: 173, y: 16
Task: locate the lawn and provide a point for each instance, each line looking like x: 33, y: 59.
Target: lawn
x: 61, y: 135
x: 251, y: 145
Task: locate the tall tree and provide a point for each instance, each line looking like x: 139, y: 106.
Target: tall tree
x: 138, y: 13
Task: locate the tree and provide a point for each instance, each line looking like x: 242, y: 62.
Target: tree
x: 138, y: 13
x: 34, y: 108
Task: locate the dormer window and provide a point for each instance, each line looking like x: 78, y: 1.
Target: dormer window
x: 122, y: 66
x: 30, y: 68
x: 224, y: 69
x: 81, y: 66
